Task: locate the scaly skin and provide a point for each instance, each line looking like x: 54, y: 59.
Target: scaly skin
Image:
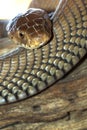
x: 29, y: 72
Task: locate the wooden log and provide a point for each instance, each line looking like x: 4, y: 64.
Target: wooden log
x: 3, y: 24
x: 62, y: 106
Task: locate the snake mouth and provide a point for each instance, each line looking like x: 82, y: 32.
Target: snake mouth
x: 23, y: 45
x: 31, y: 47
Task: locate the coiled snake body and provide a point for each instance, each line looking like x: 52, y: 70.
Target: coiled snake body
x: 30, y: 71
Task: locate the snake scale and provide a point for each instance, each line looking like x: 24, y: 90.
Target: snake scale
x: 30, y: 71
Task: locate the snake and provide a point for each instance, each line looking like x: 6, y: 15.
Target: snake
x: 52, y: 45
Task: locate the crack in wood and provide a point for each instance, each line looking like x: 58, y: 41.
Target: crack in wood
x: 8, y: 125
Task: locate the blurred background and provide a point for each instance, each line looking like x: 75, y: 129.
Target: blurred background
x: 9, y: 9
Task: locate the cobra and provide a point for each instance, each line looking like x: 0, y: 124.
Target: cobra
x: 30, y: 71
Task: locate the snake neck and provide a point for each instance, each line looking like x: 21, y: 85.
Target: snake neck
x: 59, y: 9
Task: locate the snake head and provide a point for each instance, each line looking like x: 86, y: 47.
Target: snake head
x: 31, y: 29
x: 17, y: 35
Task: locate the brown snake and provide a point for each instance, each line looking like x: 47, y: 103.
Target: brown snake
x: 31, y: 29
x: 30, y: 71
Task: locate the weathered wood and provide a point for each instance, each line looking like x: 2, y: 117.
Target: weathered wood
x: 63, y: 106
x: 3, y: 24
x: 48, y: 5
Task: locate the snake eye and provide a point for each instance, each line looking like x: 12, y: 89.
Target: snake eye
x: 21, y: 35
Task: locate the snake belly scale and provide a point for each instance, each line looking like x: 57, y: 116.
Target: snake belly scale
x: 30, y: 71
